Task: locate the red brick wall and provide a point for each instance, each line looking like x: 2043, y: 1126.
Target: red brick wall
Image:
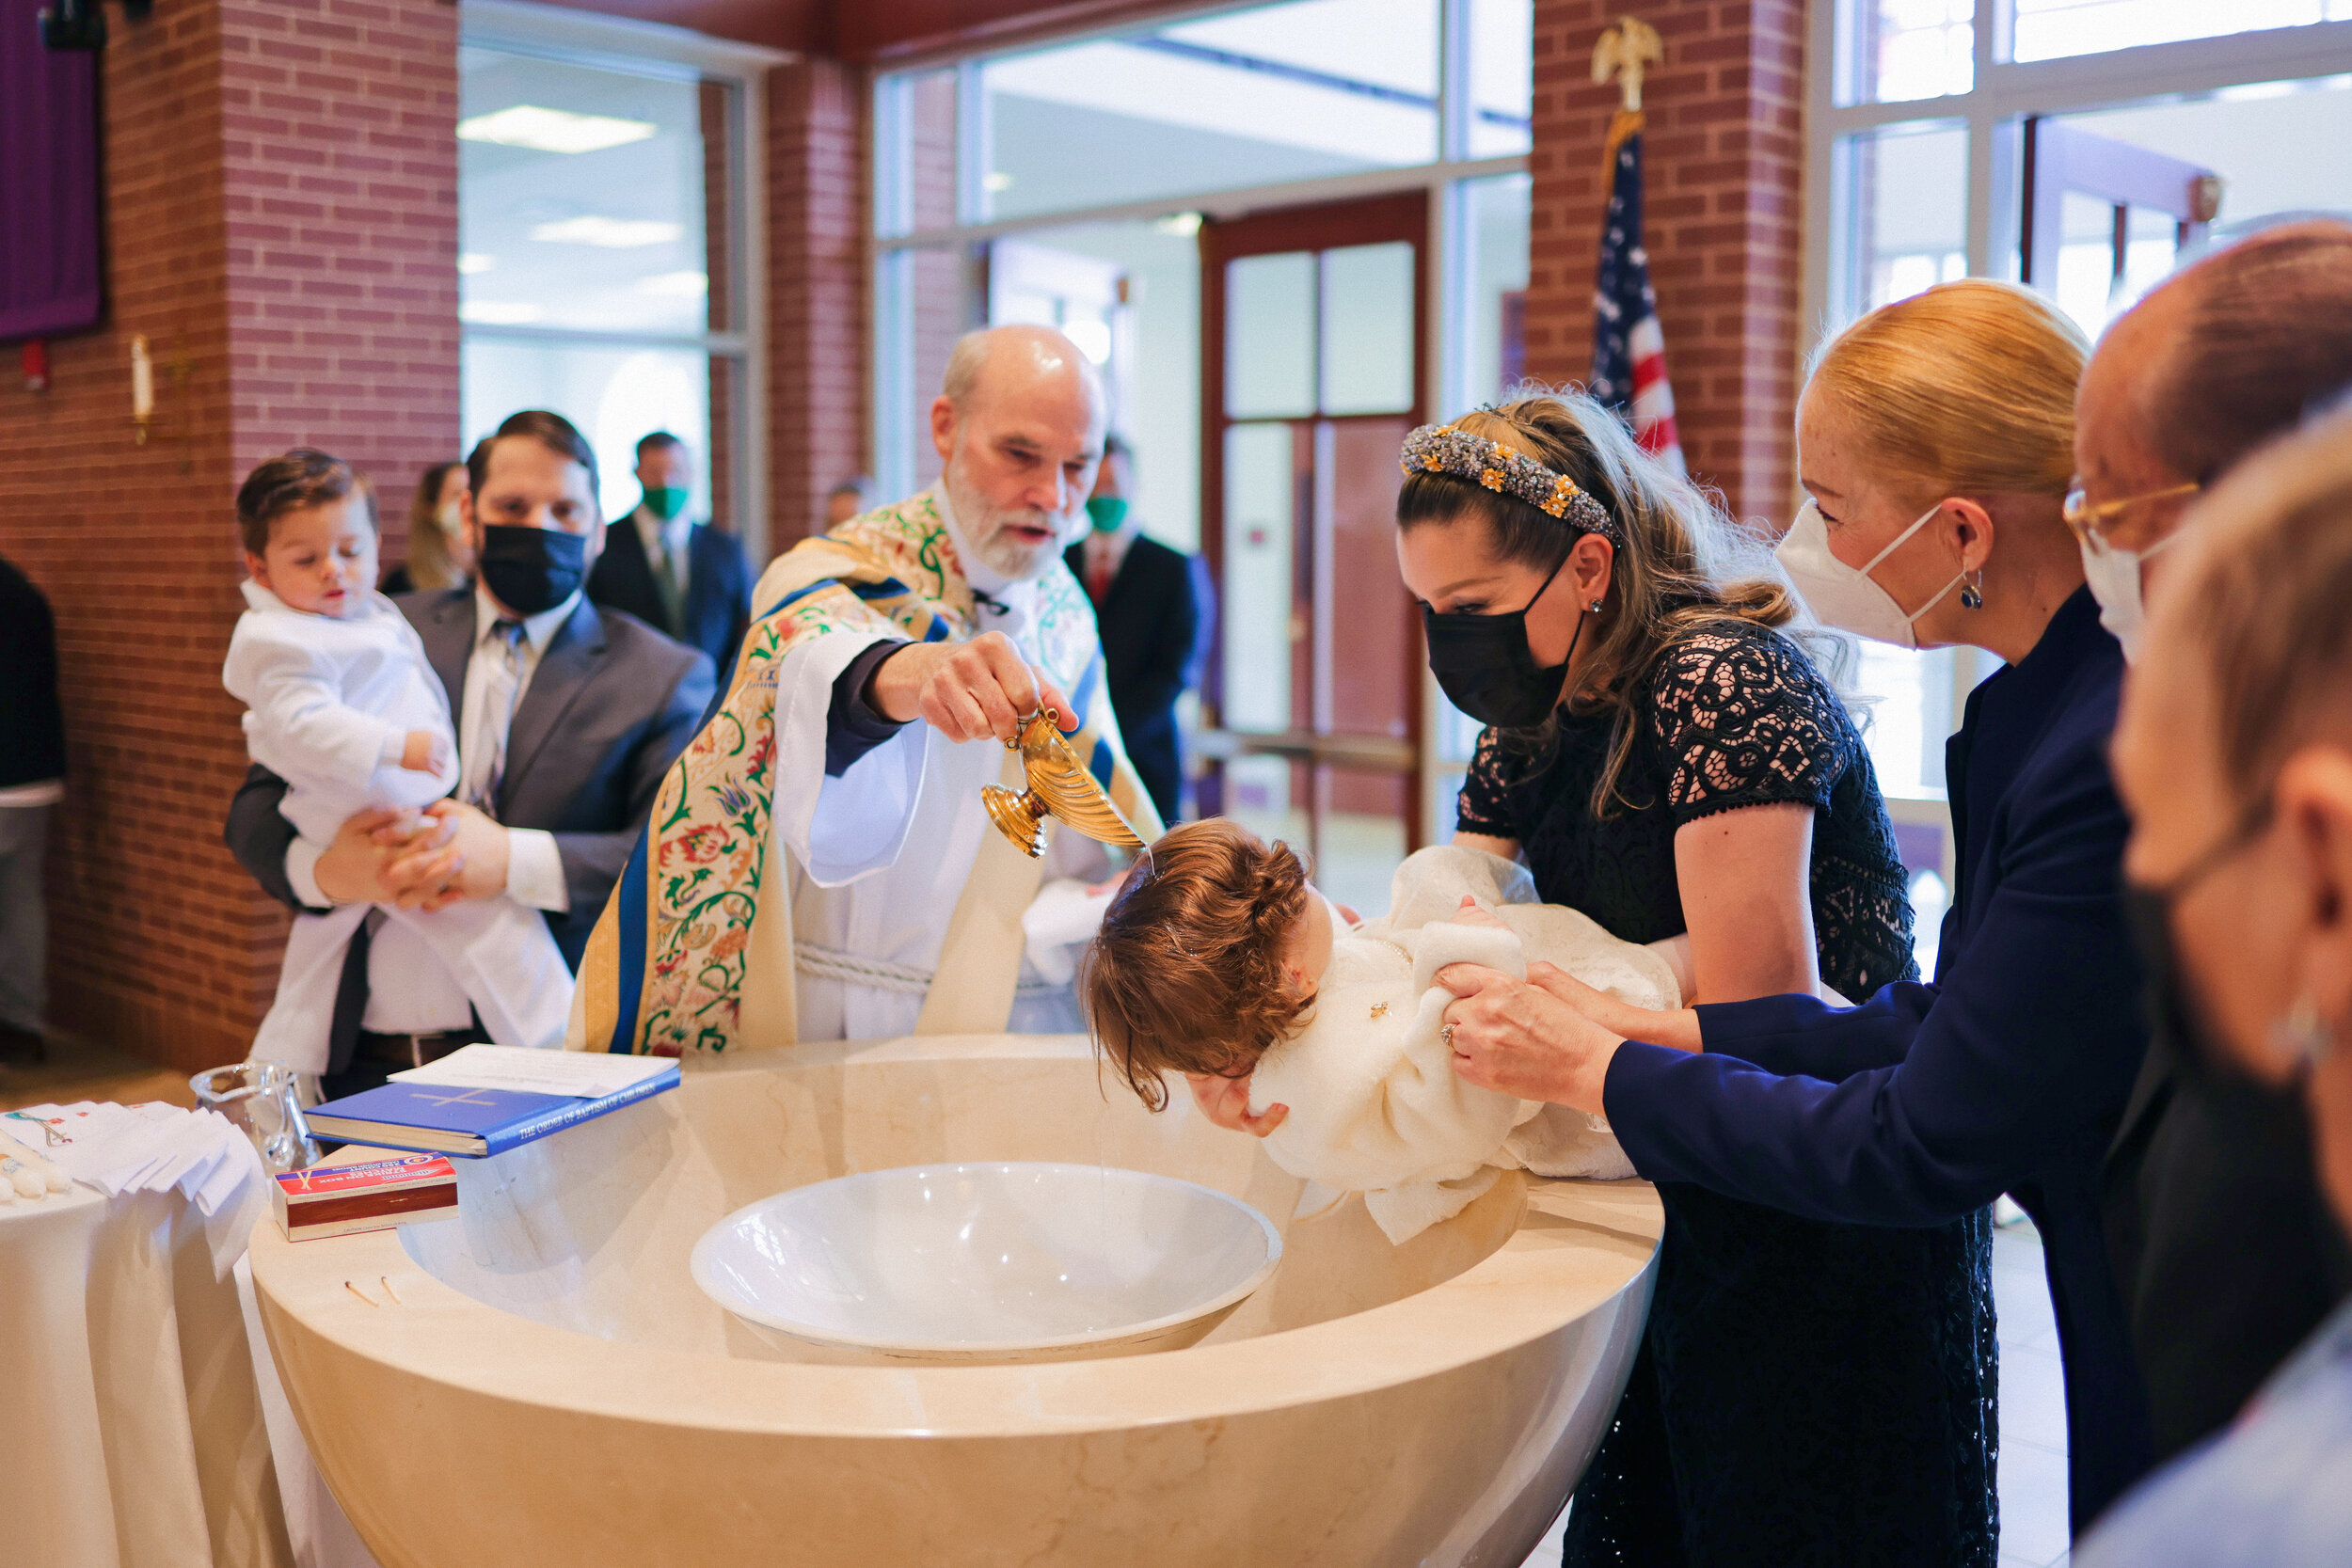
x: 818, y: 381
x: 281, y: 226
x: 1724, y: 159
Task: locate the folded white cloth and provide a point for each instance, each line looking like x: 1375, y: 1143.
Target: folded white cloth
x: 1375, y: 1105
x: 157, y: 1148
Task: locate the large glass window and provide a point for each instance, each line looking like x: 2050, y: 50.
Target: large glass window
x: 1076, y: 183
x: 2073, y: 146
x: 1296, y: 91
x: 2051, y: 29
x: 601, y: 222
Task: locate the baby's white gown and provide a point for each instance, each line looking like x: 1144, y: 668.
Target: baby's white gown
x: 1375, y: 1105
x: 329, y: 704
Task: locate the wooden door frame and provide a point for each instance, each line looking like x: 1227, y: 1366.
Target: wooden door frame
x: 1325, y: 226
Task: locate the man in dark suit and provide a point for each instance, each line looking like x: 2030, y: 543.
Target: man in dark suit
x: 683, y: 576
x: 2226, y: 1250
x: 567, y: 718
x: 1148, y: 599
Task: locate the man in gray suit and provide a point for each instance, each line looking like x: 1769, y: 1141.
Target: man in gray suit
x: 567, y: 718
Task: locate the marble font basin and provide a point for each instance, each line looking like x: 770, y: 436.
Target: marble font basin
x: 1014, y: 1260
x: 539, y: 1382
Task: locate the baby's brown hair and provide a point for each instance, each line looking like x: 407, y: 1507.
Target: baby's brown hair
x: 302, y: 477
x: 1186, y: 974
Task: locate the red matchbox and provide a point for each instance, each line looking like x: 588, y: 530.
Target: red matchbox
x: 336, y: 1200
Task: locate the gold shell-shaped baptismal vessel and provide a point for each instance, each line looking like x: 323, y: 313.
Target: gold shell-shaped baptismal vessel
x: 1058, y: 786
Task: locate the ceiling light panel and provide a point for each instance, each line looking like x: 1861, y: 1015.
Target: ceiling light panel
x: 608, y: 233
x: 545, y: 130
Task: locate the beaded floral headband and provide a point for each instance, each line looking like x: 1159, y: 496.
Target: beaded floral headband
x: 1447, y: 450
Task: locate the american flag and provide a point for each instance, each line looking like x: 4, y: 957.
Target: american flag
x: 1628, y: 351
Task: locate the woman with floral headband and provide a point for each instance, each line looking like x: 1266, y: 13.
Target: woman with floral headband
x: 1662, y: 752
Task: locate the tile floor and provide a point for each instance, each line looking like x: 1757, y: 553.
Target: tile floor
x: 2033, y: 1397
x: 2033, y: 1412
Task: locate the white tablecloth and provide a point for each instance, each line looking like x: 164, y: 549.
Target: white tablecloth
x: 138, y: 1439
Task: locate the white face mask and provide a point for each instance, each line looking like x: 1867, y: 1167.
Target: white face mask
x: 1847, y: 597
x: 2114, y: 577
x: 452, y: 521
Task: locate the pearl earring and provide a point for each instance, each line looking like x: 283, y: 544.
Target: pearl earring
x: 2303, y: 1033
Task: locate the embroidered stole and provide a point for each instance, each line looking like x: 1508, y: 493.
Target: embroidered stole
x: 694, y: 950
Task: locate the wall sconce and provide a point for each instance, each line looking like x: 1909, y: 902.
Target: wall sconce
x: 142, y: 387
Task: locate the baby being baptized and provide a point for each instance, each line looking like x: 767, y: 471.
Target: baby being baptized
x: 1219, y: 958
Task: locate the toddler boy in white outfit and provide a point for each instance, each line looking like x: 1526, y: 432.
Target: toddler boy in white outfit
x: 343, y: 705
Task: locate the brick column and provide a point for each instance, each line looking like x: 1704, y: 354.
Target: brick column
x: 1724, y: 157
x: 819, y: 383
x: 282, y: 227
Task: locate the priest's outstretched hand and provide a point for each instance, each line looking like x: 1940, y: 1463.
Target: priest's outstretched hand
x: 966, y: 691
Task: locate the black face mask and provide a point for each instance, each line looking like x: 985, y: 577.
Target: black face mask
x: 2179, y: 1028
x: 1484, y: 667
x: 531, y: 569
x: 2176, y: 1028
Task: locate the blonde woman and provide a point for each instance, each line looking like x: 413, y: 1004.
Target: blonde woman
x: 1935, y: 440
x: 439, y: 554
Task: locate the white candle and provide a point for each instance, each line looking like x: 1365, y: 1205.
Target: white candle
x: 142, y: 381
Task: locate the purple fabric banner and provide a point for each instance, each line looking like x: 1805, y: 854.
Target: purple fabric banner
x: 50, y: 272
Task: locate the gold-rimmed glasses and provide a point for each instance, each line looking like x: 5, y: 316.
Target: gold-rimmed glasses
x: 2089, y: 522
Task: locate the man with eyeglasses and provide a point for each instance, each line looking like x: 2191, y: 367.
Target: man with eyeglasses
x: 2227, y: 1255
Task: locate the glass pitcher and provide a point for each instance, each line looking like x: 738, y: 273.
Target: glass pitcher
x: 265, y: 1100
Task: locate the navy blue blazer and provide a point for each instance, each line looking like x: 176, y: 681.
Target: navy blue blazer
x: 718, y: 607
x: 2009, y: 1073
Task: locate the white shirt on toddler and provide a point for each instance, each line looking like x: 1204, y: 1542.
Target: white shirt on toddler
x: 329, y: 705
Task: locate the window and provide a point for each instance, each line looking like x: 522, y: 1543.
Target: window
x: 604, y: 218
x: 1072, y: 184
x: 2085, y: 147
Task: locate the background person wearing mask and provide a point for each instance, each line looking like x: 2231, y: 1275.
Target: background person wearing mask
x: 439, y: 553
x: 2234, y: 751
x: 566, y: 720
x: 1147, y: 602
x: 2210, y: 1179
x: 1936, y: 438
x: 679, y: 577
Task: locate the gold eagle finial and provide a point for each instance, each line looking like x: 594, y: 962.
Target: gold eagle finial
x: 1059, y: 786
x: 1624, y: 51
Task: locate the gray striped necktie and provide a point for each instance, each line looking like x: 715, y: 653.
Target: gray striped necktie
x: 498, y: 710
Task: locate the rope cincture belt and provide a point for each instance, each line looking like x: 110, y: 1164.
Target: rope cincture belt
x: 852, y: 968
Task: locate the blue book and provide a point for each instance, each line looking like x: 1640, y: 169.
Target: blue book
x: 443, y: 1119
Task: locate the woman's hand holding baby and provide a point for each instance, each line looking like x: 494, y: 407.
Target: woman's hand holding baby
x: 1678, y: 1029
x: 1518, y: 1038
x: 1226, y: 1103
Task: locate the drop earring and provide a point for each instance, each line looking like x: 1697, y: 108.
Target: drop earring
x: 1972, y: 593
x: 2303, y: 1033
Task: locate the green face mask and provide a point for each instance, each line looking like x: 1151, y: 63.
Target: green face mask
x: 666, y: 501
x: 1109, y: 512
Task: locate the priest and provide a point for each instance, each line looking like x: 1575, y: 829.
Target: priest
x: 818, y: 865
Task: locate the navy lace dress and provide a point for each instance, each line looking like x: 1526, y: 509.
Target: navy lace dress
x: 1805, y: 1393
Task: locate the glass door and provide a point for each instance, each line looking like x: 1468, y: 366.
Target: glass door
x: 1313, y: 327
